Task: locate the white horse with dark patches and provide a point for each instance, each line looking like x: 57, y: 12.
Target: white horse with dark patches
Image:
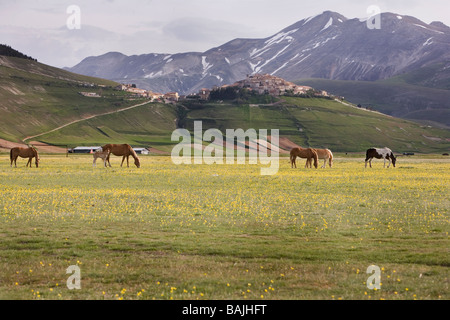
x: 380, y: 153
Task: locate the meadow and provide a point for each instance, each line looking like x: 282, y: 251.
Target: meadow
x: 214, y: 232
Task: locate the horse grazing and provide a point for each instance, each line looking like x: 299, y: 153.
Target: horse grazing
x: 305, y: 154
x: 124, y: 150
x: 100, y: 154
x: 29, y: 153
x: 323, y: 154
x: 384, y: 153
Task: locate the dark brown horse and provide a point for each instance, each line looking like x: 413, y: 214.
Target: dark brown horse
x: 29, y: 153
x: 124, y: 150
x: 305, y: 154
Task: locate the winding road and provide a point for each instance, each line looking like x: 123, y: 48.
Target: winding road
x: 84, y: 119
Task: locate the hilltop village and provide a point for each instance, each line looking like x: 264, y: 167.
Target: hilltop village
x: 258, y: 83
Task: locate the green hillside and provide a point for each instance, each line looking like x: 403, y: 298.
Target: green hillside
x: 146, y: 126
x: 318, y: 122
x: 42, y: 103
x: 409, y: 96
x: 306, y: 122
x: 36, y: 98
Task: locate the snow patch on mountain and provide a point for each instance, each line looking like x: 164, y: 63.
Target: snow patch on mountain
x: 329, y: 24
x: 278, y: 38
x: 206, y: 66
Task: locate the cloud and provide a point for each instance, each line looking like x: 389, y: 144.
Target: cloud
x: 38, y: 28
x: 205, y: 32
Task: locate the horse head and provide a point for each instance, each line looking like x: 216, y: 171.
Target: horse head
x: 137, y: 162
x: 394, y: 159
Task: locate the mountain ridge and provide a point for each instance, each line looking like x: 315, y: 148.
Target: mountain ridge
x: 327, y: 46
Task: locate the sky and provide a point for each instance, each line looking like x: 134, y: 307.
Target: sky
x: 62, y: 33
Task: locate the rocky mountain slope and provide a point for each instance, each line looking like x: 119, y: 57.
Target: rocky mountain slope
x: 327, y: 46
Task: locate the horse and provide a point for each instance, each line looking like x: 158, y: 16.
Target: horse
x: 124, y: 150
x: 303, y: 153
x: 29, y: 153
x: 380, y: 153
x: 100, y: 154
x: 323, y: 154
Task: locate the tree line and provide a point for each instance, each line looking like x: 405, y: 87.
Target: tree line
x: 10, y: 52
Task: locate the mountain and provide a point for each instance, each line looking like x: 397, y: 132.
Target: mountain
x: 327, y: 46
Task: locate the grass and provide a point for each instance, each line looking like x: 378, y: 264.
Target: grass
x: 401, y: 96
x: 46, y: 98
x: 148, y: 125
x: 322, y: 123
x: 223, y: 231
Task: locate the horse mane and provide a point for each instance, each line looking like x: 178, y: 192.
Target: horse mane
x: 133, y: 153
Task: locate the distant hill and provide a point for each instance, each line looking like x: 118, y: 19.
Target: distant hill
x: 46, y: 103
x: 7, y: 51
x: 35, y: 98
x: 397, y: 96
x: 308, y: 122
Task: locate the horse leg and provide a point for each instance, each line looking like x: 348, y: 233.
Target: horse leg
x: 308, y: 163
x: 123, y: 159
x: 324, y: 163
x: 128, y: 164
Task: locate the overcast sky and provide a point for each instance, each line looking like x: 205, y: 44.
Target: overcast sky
x: 39, y: 27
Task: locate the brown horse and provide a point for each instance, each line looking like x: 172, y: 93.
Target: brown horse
x: 29, y: 153
x: 124, y: 150
x: 305, y: 154
x: 323, y: 154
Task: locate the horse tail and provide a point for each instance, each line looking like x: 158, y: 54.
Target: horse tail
x: 316, y: 158
x: 293, y: 155
x: 330, y: 158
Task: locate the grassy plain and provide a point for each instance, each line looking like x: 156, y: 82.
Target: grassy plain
x: 224, y: 231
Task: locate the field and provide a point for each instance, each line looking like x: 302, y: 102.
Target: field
x: 214, y: 232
